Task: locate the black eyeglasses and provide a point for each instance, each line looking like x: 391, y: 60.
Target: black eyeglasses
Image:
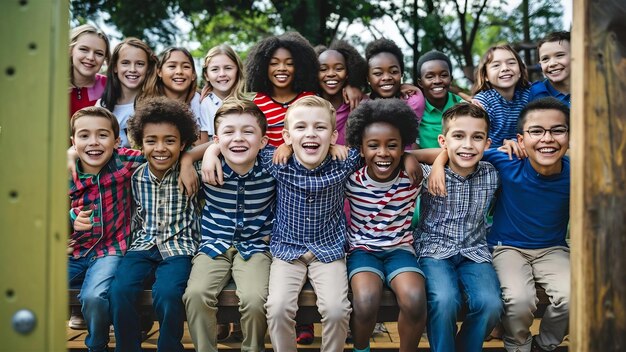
x: 539, y: 132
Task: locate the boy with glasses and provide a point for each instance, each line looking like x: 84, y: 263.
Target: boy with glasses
x: 530, y: 224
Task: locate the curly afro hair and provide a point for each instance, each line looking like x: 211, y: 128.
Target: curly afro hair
x: 383, y: 45
x: 304, y: 58
x: 392, y: 111
x: 356, y: 65
x: 163, y: 110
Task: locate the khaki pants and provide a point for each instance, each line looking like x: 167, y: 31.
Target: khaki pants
x: 207, y: 279
x: 518, y: 270
x: 330, y: 282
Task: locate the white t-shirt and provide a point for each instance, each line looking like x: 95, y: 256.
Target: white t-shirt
x: 122, y: 112
x: 208, y: 108
x: 201, y: 121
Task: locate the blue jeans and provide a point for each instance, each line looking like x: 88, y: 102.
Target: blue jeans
x: 93, y: 277
x: 448, y: 282
x: 171, y: 276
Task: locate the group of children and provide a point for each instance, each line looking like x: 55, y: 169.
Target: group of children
x: 277, y: 200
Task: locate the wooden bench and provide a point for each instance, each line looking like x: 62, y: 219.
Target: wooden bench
x: 228, y: 305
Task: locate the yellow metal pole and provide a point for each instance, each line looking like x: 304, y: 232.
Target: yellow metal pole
x: 33, y: 182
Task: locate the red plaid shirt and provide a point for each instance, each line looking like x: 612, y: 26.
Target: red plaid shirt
x: 109, y: 195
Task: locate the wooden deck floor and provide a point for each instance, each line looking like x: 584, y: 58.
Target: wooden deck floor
x: 381, y: 341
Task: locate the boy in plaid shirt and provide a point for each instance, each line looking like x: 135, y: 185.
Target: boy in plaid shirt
x: 165, y: 228
x: 99, y: 213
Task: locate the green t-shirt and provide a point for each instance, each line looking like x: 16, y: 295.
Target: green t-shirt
x: 430, y: 127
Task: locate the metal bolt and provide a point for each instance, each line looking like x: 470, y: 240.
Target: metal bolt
x: 24, y: 321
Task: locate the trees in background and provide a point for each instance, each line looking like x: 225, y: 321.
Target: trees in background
x: 461, y: 28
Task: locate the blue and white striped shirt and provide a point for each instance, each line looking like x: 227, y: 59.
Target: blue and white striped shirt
x: 164, y: 216
x: 503, y: 114
x: 456, y: 223
x: 309, y: 207
x: 239, y: 213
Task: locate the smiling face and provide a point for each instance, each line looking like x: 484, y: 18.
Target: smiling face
x: 281, y: 69
x: 221, y: 73
x: 333, y: 72
x: 240, y: 139
x: 161, y: 147
x: 503, y: 71
x: 94, y: 141
x: 88, y: 55
x: 435, y: 80
x: 465, y: 141
x: 545, y: 153
x: 555, y: 61
x: 131, y: 67
x: 177, y: 75
x: 382, y: 150
x: 384, y: 75
x: 310, y: 133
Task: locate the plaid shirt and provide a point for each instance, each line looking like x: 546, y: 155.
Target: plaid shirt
x: 108, y: 195
x: 309, y: 207
x: 456, y: 223
x: 239, y: 213
x: 165, y: 217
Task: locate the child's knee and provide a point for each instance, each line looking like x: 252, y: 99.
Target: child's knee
x: 413, y: 303
x: 336, y: 311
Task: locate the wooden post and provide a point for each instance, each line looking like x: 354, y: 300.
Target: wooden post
x: 598, y: 202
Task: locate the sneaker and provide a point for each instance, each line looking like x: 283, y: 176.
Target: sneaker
x: 305, y: 334
x: 236, y: 332
x: 223, y: 331
x: 535, y: 346
x: 77, y: 322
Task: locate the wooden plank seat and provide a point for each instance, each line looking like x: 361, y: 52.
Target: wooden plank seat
x: 307, y: 313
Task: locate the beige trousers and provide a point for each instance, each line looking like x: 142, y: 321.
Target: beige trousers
x: 518, y: 271
x: 207, y: 279
x: 330, y: 282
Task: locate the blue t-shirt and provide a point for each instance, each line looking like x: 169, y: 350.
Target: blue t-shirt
x: 532, y: 211
x: 543, y: 89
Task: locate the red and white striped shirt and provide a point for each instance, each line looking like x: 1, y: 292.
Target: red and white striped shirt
x: 380, y: 212
x: 275, y: 115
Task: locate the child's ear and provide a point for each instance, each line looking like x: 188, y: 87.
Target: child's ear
x: 72, y: 140
x: 333, y: 138
x: 264, y: 141
x: 442, y: 141
x: 286, y: 137
x: 216, y: 139
x: 488, y: 143
x: 520, y: 141
x: 419, y: 83
x: 117, y: 143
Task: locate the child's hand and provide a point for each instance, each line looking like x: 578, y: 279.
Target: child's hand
x: 406, y: 90
x: 413, y: 169
x: 510, y: 146
x: 282, y: 154
x: 338, y: 152
x: 352, y: 96
x: 72, y: 155
x: 188, y: 179
x: 70, y: 247
x: 437, y: 178
x: 212, y: 166
x: 83, y: 221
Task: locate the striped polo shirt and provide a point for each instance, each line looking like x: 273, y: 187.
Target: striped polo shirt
x: 380, y: 212
x: 503, y: 114
x: 239, y: 213
x: 275, y: 115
